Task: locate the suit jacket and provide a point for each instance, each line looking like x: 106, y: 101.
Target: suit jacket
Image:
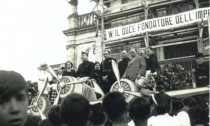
x: 152, y: 63
x: 122, y: 65
x: 135, y: 66
x: 86, y: 69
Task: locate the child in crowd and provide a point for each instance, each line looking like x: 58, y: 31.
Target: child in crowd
x: 98, y: 115
x: 75, y: 110
x: 54, y: 117
x: 176, y: 106
x: 188, y: 103
x: 199, y: 116
x: 177, y: 112
x: 13, y: 99
x: 139, y: 111
x: 115, y: 106
x: 160, y: 103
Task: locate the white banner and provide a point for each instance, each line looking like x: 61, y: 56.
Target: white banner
x: 156, y: 24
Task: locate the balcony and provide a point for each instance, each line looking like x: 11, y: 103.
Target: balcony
x: 86, y: 20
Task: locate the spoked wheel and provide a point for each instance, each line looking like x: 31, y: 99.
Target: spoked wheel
x: 67, y: 89
x: 125, y: 85
x: 43, y: 103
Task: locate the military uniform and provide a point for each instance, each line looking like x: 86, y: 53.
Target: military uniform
x: 85, y: 69
x: 106, y: 69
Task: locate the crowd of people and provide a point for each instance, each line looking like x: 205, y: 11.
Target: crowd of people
x: 157, y: 109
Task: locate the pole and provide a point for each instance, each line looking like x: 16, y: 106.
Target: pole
x: 209, y: 27
x: 146, y: 38
x: 102, y: 27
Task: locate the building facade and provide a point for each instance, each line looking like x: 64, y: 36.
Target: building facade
x: 174, y: 45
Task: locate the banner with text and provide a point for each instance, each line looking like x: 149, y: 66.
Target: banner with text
x: 167, y: 22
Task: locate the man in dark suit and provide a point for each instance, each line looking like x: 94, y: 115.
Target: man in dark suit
x: 136, y: 66
x: 108, y: 75
x: 122, y: 65
x: 152, y: 61
x: 86, y: 68
x: 201, y: 71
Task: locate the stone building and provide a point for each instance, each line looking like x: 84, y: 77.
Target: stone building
x: 175, y: 44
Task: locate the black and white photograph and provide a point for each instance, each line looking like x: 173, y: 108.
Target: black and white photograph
x: 104, y: 62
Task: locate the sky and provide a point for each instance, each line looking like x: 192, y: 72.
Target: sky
x: 31, y: 33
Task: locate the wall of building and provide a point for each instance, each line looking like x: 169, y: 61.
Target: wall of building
x: 169, y: 44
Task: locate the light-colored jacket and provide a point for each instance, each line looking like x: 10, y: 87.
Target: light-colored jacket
x: 135, y: 66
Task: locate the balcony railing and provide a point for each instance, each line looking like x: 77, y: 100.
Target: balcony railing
x: 86, y: 20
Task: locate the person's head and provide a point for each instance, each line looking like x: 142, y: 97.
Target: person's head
x: 107, y: 54
x: 114, y: 105
x: 33, y: 120
x: 43, y: 66
x: 133, y: 52
x: 68, y: 65
x: 98, y: 116
x: 189, y: 102
x: 139, y: 109
x: 149, y: 51
x: 75, y: 110
x: 161, y: 103
x: 198, y: 116
x: 13, y: 99
x: 97, y: 65
x: 63, y: 67
x: 199, y: 57
x: 54, y: 117
x: 124, y: 54
x: 84, y: 56
x: 141, y: 52
x: 176, y: 105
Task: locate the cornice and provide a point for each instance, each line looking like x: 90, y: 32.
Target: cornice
x: 75, y: 45
x: 79, y: 30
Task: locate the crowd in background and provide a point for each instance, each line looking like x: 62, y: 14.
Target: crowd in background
x: 157, y: 109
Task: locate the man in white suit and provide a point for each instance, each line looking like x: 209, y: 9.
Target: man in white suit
x: 136, y: 66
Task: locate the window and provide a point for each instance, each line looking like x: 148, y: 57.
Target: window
x: 176, y: 51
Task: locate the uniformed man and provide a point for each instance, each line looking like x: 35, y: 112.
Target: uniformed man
x: 86, y: 68
x: 201, y: 71
x: 108, y: 75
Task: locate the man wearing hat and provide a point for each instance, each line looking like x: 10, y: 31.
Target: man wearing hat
x: 43, y: 75
x: 201, y: 71
x: 86, y: 68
